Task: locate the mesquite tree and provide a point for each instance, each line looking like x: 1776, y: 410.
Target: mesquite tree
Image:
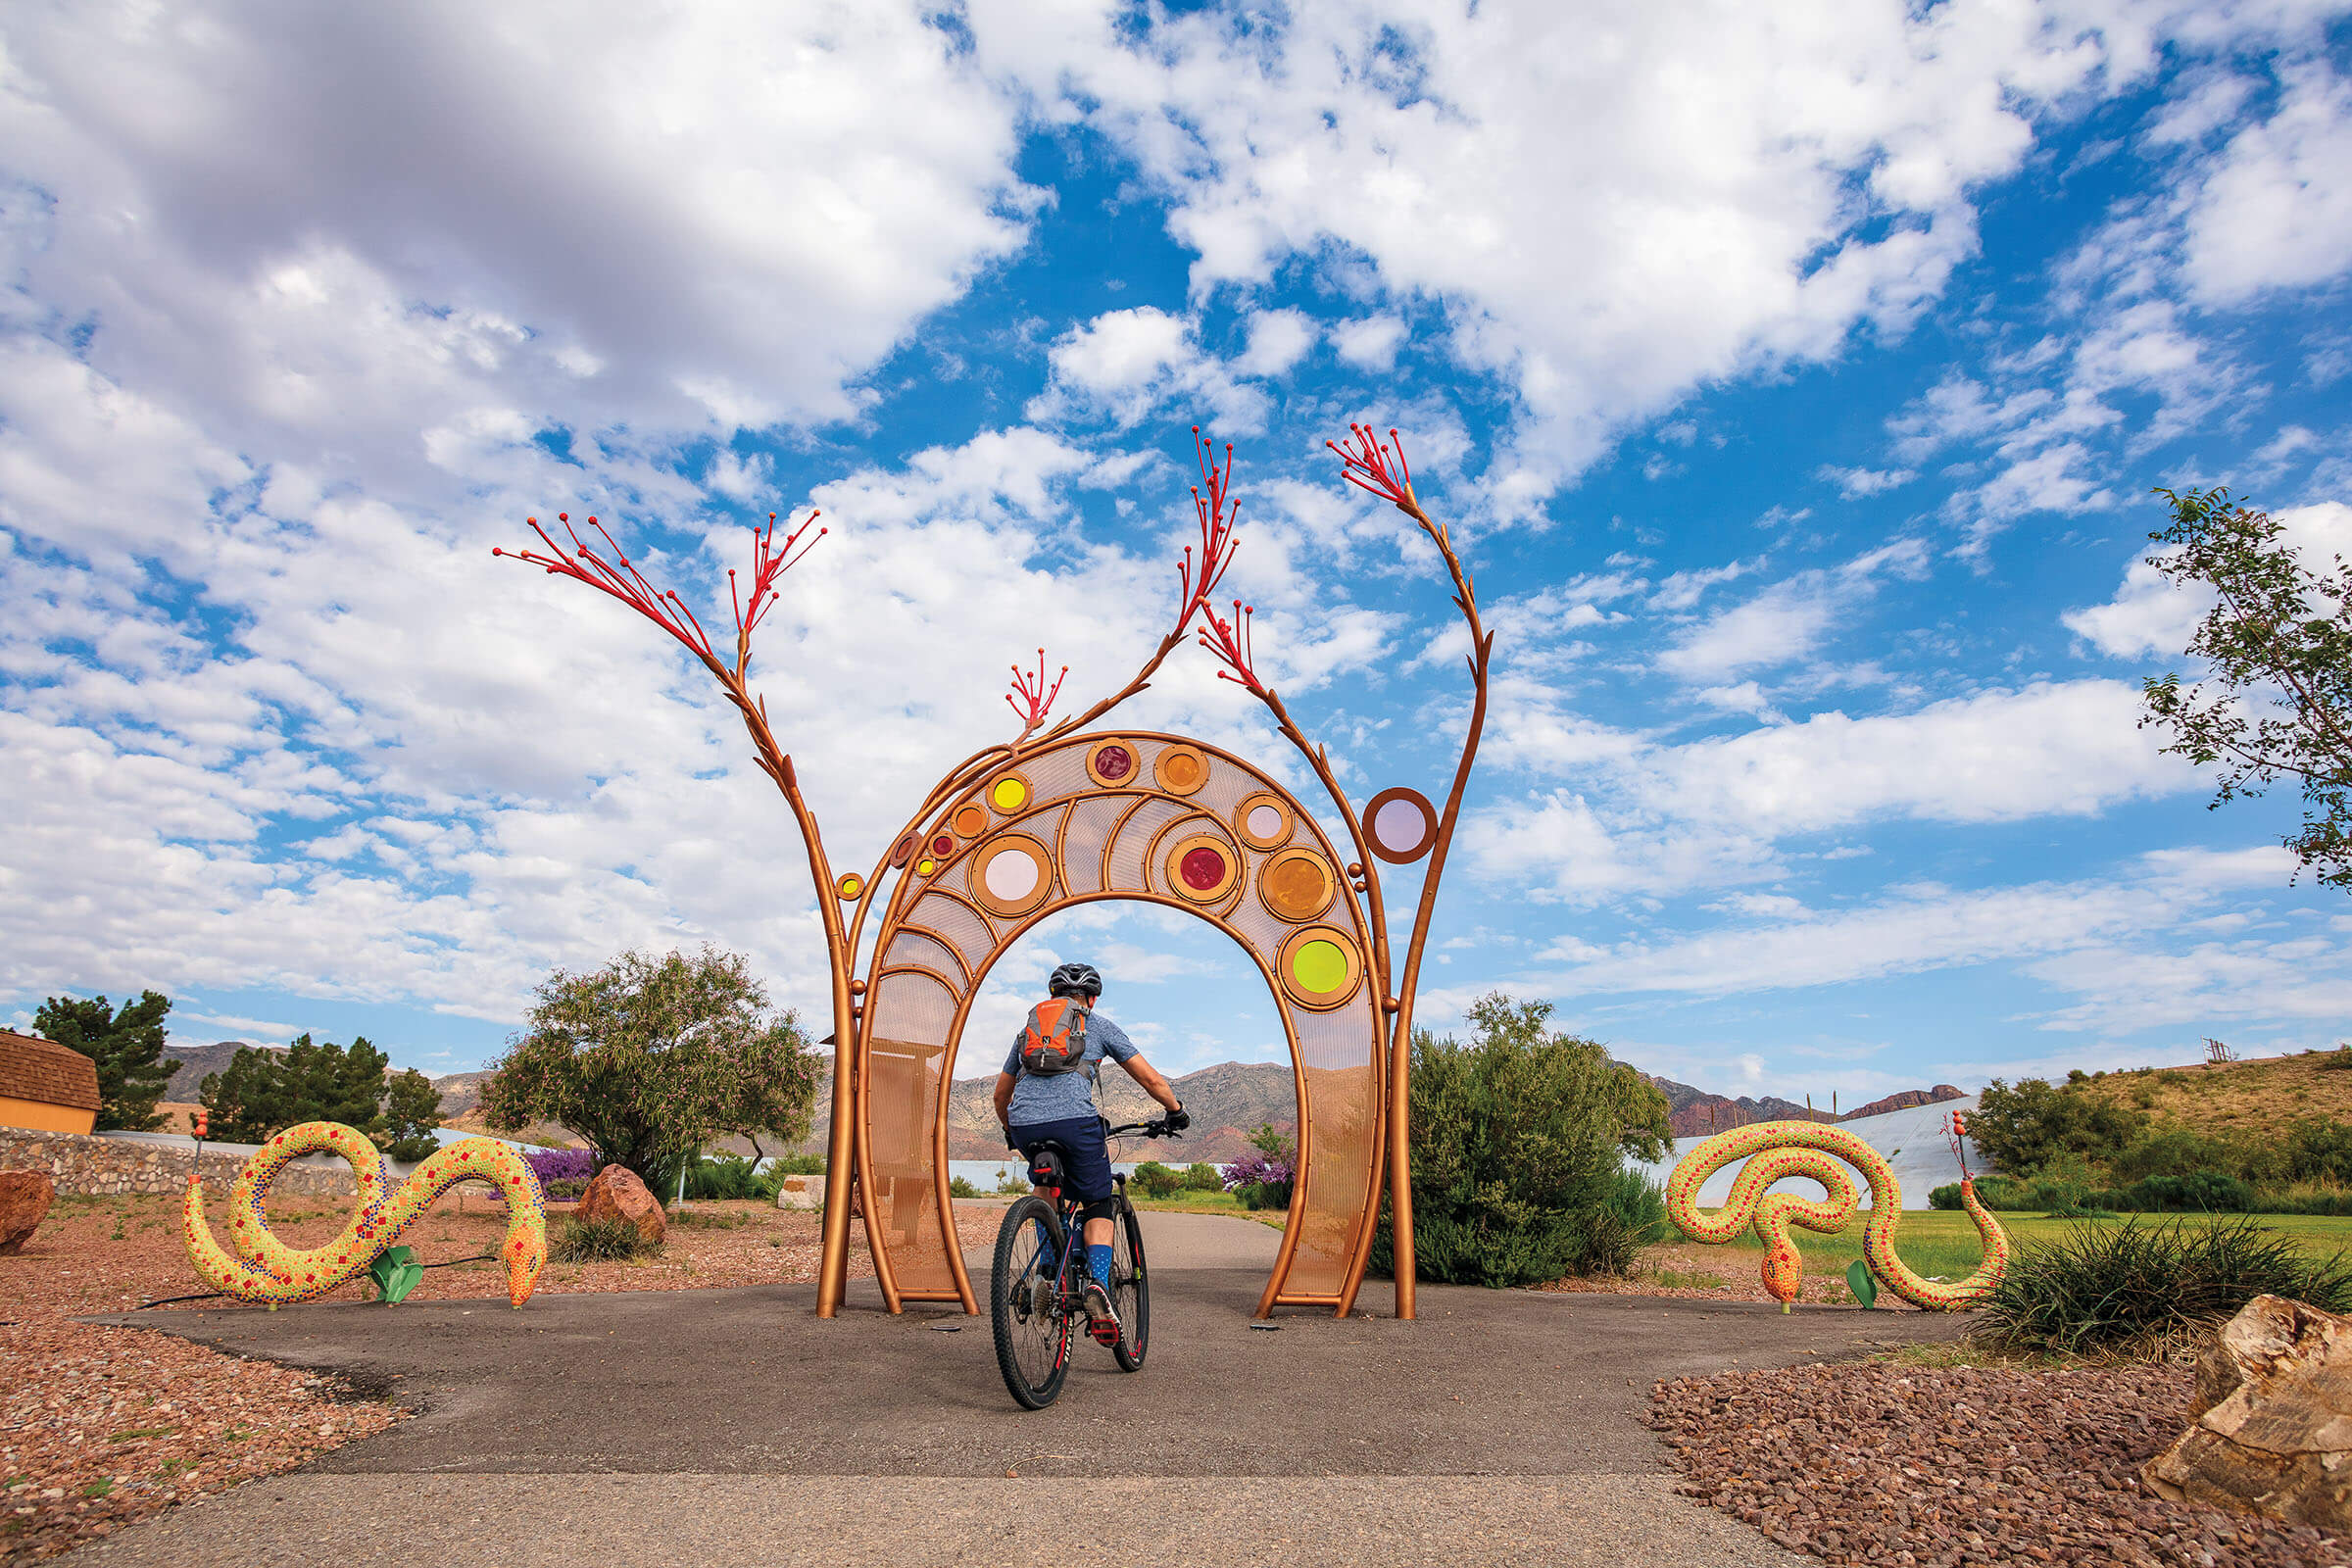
x: 650, y: 1057
x: 2276, y: 700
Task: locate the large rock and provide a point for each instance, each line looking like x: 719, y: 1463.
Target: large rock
x: 25, y: 1198
x: 2272, y: 1431
x: 617, y: 1194
x: 801, y: 1191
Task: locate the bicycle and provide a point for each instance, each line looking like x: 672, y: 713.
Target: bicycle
x: 1037, y: 1290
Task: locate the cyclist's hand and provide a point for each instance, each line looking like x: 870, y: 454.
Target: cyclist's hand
x: 1177, y: 1120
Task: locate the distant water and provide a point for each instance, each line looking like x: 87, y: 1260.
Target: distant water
x: 985, y: 1173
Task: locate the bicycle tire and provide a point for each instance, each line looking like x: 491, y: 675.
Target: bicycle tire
x: 1131, y: 1290
x: 1035, y: 1379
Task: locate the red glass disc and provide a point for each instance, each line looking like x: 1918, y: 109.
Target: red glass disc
x: 1203, y: 868
x: 943, y: 844
x: 1114, y: 762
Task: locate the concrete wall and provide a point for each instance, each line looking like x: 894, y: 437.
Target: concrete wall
x: 87, y: 1166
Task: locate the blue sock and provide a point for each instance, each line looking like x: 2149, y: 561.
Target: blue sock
x: 1098, y: 1264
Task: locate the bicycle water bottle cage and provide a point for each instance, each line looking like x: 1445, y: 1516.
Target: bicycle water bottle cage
x: 1046, y: 1170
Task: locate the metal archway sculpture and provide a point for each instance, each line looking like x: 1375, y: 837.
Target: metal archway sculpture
x: 1070, y: 815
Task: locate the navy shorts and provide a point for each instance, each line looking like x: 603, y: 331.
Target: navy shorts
x: 1087, y: 1155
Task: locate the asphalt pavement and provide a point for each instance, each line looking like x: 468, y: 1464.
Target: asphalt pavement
x: 734, y: 1426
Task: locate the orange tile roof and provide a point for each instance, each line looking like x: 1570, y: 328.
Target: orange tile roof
x: 34, y: 1068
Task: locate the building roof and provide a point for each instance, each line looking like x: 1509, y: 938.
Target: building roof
x: 34, y: 1068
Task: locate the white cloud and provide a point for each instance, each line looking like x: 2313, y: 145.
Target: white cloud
x: 2276, y: 206
x: 1855, y: 485
x: 1371, y: 343
x: 1127, y: 365
x: 2150, y: 617
x: 1278, y: 340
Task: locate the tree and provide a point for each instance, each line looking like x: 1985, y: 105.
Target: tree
x: 2277, y: 699
x: 127, y: 1045
x: 263, y: 1092
x: 411, y: 1111
x: 649, y: 1058
x: 1516, y: 1144
x: 2028, y: 1130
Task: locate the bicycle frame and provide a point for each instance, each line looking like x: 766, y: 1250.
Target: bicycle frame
x: 1070, y: 1302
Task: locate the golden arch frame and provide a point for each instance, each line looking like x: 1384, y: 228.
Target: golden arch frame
x: 1182, y: 772
x: 1114, y: 843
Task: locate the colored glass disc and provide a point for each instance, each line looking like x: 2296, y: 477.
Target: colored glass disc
x: 925, y: 866
x: 1319, y: 966
x: 943, y: 844
x: 1399, y: 825
x: 969, y: 821
x: 1265, y: 821
x: 851, y: 885
x: 1009, y: 875
x: 1203, y: 868
x: 1297, y: 886
x: 1010, y: 794
x: 1183, y: 771
x: 1114, y: 762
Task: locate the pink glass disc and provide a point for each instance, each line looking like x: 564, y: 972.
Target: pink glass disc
x: 1114, y: 762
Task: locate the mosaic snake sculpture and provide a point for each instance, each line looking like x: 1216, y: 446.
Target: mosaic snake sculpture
x: 1786, y: 1148
x: 272, y: 1272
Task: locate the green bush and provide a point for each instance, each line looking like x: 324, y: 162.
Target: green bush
x: 1203, y: 1177
x: 2126, y: 1288
x: 727, y: 1176
x: 1263, y: 1195
x: 598, y: 1241
x: 796, y: 1165
x: 1640, y: 1207
x: 2173, y: 1151
x: 565, y: 1189
x: 1158, y: 1180
x: 957, y: 1186
x: 2201, y: 1191
x: 2026, y: 1129
x: 1517, y: 1138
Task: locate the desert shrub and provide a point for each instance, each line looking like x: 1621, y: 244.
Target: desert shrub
x: 727, y: 1176
x: 1158, y: 1180
x: 552, y: 1166
x: 1201, y: 1177
x: 2304, y: 1199
x: 1640, y: 1207
x: 598, y: 1241
x: 957, y: 1186
x: 2200, y: 1191
x: 796, y: 1165
x: 2122, y: 1288
x: 1013, y: 1182
x: 1947, y: 1197
x: 1517, y: 1138
x: 1263, y: 1195
x: 564, y: 1189
x: 2171, y: 1151
x: 2339, y: 1060
x: 2023, y: 1130
x: 2319, y: 1149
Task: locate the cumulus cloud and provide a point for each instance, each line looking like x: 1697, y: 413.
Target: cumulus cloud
x: 2276, y: 206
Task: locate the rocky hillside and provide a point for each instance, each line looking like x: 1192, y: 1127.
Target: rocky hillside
x: 2259, y: 1099
x: 199, y: 1063
x: 1695, y: 1112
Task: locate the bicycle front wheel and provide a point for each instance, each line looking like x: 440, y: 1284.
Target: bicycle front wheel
x: 1130, y: 1290
x: 1025, y: 1306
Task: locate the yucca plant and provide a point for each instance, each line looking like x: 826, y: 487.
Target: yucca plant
x: 2134, y: 1289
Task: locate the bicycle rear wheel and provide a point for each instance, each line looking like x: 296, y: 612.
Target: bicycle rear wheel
x: 1024, y: 1302
x: 1130, y: 1289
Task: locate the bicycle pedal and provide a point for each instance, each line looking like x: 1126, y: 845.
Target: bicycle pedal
x: 1105, y: 1333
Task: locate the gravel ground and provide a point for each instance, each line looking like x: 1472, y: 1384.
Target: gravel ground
x: 1675, y: 1268
x: 1886, y: 1463
x: 101, y: 1426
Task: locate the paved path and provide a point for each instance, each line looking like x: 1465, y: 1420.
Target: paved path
x: 1502, y: 1427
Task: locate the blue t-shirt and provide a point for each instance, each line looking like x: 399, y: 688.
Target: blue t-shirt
x: 1060, y: 1095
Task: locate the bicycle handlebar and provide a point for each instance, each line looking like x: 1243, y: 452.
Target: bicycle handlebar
x: 1148, y: 1129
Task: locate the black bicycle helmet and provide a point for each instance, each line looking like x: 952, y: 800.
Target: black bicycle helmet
x: 1075, y: 979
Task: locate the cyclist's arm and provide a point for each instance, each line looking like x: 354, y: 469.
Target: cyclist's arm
x: 1144, y: 1073
x: 1005, y: 1083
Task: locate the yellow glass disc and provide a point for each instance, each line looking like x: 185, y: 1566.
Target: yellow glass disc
x: 1319, y: 966
x: 1010, y: 794
x: 925, y: 866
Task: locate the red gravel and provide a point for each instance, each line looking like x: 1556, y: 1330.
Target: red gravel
x: 1916, y: 1466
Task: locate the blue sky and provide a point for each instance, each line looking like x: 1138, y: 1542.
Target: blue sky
x: 1796, y: 379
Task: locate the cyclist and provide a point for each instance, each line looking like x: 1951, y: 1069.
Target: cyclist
x: 1039, y: 1101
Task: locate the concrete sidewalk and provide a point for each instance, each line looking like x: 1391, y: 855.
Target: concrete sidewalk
x: 1501, y: 1426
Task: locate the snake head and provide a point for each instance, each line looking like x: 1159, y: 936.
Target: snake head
x: 526, y: 1256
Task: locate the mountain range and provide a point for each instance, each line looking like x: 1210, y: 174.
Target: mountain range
x: 1227, y: 1102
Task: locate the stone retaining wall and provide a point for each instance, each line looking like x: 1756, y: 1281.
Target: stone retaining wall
x: 89, y: 1166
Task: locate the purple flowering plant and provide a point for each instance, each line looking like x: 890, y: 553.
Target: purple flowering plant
x: 562, y: 1164
x: 1257, y: 1168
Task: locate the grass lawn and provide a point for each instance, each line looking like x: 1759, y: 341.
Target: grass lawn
x: 1207, y: 1202
x: 1938, y: 1242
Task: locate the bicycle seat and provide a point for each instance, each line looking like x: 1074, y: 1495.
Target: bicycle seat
x: 1049, y: 1164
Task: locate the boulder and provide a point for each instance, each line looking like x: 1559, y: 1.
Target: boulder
x: 24, y: 1196
x: 801, y: 1191
x: 617, y: 1194
x: 2271, y: 1428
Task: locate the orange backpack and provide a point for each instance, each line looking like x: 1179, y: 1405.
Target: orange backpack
x: 1054, y: 1040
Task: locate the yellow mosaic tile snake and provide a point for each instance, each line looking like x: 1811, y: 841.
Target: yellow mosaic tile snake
x: 272, y: 1272
x: 1778, y: 1150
